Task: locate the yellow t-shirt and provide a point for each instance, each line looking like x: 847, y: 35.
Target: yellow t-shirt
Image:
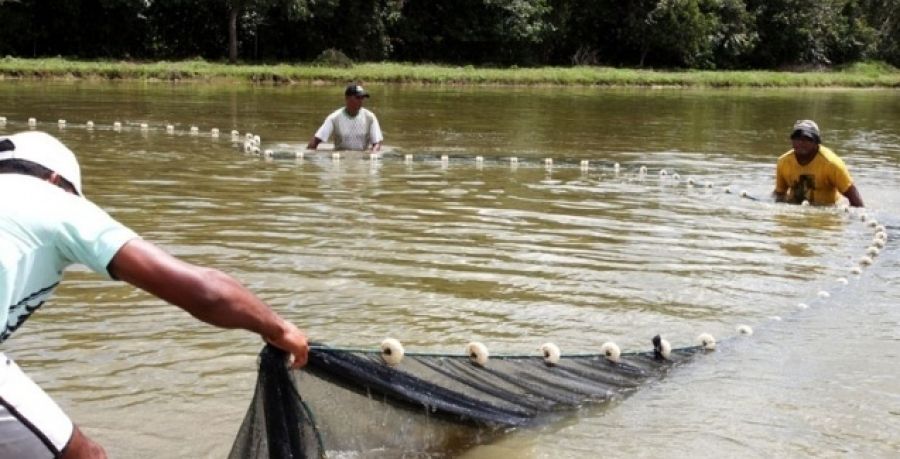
x: 821, y: 182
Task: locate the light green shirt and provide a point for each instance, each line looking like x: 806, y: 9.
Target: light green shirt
x: 43, y: 230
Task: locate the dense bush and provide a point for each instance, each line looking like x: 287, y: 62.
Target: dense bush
x: 725, y: 34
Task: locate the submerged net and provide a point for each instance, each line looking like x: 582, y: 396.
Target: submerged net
x: 350, y: 403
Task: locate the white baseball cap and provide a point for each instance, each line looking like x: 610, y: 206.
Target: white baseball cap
x: 44, y: 149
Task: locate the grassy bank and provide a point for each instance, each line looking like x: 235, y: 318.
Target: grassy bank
x: 860, y: 75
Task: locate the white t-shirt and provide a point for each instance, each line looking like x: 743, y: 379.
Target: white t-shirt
x: 351, y: 133
x: 43, y: 230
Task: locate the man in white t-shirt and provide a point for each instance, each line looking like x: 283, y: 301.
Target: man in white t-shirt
x: 353, y: 127
x: 46, y: 225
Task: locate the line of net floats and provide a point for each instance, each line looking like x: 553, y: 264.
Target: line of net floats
x: 391, y: 349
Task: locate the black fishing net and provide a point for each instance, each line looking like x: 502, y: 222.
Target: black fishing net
x: 350, y: 403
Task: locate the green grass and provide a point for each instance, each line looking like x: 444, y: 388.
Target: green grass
x: 859, y: 75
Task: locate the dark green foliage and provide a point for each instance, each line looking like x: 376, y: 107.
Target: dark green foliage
x: 725, y: 34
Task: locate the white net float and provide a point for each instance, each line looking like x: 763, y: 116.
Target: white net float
x: 392, y: 351
x: 706, y: 341
x: 478, y: 353
x: 551, y: 353
x: 611, y: 351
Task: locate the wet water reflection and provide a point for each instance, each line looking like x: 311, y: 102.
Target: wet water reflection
x: 437, y: 253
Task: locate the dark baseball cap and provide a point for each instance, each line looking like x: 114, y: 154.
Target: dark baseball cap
x: 808, y: 129
x: 356, y: 90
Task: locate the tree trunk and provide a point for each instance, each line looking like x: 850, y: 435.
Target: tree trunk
x: 233, y: 14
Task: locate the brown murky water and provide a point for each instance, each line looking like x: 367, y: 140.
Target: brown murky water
x: 437, y: 253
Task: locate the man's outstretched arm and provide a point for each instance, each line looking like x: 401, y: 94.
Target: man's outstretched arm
x: 207, y: 294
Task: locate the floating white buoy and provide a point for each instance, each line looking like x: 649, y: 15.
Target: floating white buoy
x: 642, y: 171
x: 195, y: 130
x: 611, y: 351
x: 391, y: 351
x: 248, y: 137
x: 2, y: 120
x: 299, y: 155
x: 727, y: 190
x: 873, y: 251
x: 706, y: 341
x: 744, y: 330
x: 709, y: 184
x: 616, y: 168
x: 478, y: 353
x: 805, y: 203
x: 445, y: 158
x: 117, y: 126
x: 145, y: 127
x: 855, y: 270
x: 842, y: 280
x: 662, y: 347
x: 214, y: 133
x: 877, y: 242
x: 479, y: 159
x: 61, y: 123
x: 257, y: 140
x: 824, y: 294
x: 775, y: 318
x: 744, y: 193
x: 880, y: 228
x: 802, y: 306
x: 676, y: 177
x: 268, y: 153
x: 690, y: 182
x: 170, y: 129
x: 872, y: 223
x: 235, y: 136
x: 551, y: 353
x: 335, y: 156
x: 32, y: 122
x: 865, y: 261
x: 408, y: 158
x: 663, y: 173
x: 585, y: 164
x: 89, y: 125
x: 548, y: 161
x: 513, y: 161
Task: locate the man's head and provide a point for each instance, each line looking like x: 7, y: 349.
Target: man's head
x: 356, y: 90
x: 805, y: 138
x: 353, y: 98
x: 806, y: 129
x: 43, y: 150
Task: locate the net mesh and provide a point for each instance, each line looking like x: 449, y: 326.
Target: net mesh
x: 349, y: 403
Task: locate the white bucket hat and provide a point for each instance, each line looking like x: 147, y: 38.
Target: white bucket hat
x: 44, y: 149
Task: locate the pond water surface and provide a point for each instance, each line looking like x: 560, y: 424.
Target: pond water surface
x: 437, y: 253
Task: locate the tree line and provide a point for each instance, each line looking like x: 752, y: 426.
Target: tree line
x: 696, y: 34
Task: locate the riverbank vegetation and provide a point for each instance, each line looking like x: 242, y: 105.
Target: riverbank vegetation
x: 683, y: 34
x: 854, y: 76
x: 847, y: 43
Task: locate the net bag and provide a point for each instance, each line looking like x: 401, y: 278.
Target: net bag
x: 352, y: 403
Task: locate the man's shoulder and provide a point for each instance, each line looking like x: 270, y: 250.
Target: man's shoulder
x: 828, y: 155
x: 785, y: 156
x: 336, y: 113
x: 39, y: 195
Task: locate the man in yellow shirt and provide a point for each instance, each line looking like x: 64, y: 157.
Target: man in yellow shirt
x: 812, y: 172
